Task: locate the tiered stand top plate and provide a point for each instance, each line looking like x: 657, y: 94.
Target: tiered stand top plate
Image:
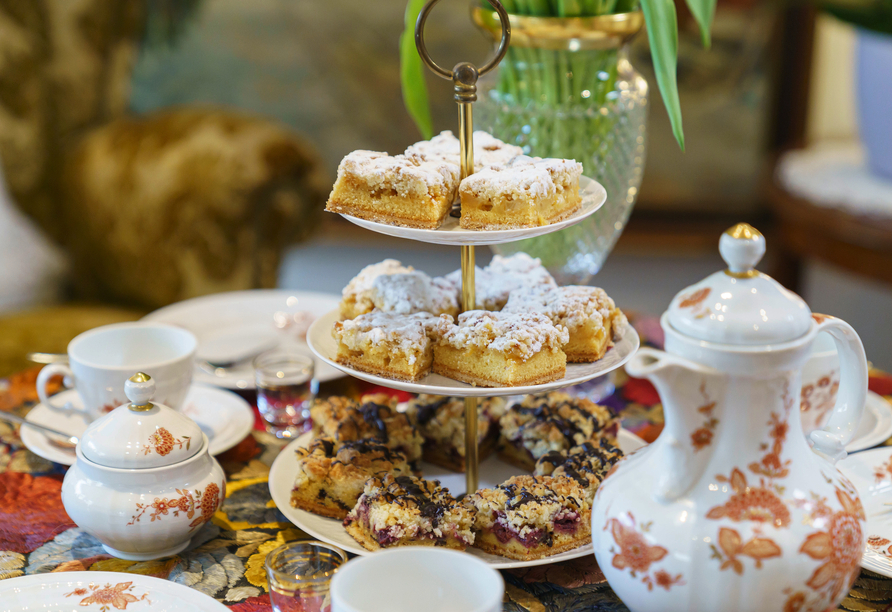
x: 593, y: 197
x: 326, y: 348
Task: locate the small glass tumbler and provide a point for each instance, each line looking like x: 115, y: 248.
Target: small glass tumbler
x: 285, y: 391
x: 299, y: 575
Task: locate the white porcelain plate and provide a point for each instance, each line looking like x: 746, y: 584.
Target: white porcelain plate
x: 875, y: 426
x: 237, y: 325
x: 98, y: 591
x: 223, y: 416
x: 871, y: 473
x: 493, y: 472
x: 593, y: 197
x: 326, y: 348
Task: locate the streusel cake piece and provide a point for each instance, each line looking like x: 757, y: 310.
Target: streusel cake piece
x: 374, y: 416
x: 414, y: 292
x: 441, y: 420
x: 331, y: 476
x: 356, y: 297
x: 552, y: 422
x: 531, y: 517
x: 488, y: 150
x: 587, y: 464
x: 528, y: 192
x: 387, y: 344
x: 409, y: 511
x: 498, y: 349
x: 399, y: 190
x: 504, y: 275
x: 589, y: 314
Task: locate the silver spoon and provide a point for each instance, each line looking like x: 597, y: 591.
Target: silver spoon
x: 48, y: 357
x: 67, y: 439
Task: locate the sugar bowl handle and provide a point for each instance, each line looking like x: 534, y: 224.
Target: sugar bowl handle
x: 830, y: 441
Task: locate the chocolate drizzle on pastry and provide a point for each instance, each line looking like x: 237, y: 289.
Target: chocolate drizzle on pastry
x: 586, y: 463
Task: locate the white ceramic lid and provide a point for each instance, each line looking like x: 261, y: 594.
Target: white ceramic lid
x: 141, y: 434
x: 740, y: 305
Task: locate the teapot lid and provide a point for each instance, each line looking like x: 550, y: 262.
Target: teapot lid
x: 740, y: 305
x: 141, y: 434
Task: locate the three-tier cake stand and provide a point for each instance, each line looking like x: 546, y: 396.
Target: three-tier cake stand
x: 464, y: 77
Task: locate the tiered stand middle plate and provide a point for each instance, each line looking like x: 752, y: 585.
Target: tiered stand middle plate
x: 492, y: 470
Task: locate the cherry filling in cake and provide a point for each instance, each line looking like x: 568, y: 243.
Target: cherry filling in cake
x: 406, y: 510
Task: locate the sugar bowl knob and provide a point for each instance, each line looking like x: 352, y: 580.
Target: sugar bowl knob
x: 742, y: 247
x: 140, y: 389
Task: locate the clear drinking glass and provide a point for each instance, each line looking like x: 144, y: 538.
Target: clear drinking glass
x: 285, y: 390
x: 299, y: 575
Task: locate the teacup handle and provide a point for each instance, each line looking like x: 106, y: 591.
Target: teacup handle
x: 43, y: 378
x: 830, y: 442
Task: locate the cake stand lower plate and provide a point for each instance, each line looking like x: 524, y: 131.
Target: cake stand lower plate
x: 493, y: 471
x: 326, y: 348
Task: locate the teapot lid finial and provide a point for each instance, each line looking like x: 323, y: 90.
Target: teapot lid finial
x: 740, y: 305
x: 742, y: 247
x: 140, y: 390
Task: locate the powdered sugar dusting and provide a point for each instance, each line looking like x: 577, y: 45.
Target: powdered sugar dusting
x: 570, y: 306
x: 412, y: 292
x: 409, y: 177
x: 410, y: 334
x: 488, y: 150
x: 519, y: 334
x: 495, y: 282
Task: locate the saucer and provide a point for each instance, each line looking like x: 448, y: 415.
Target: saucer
x: 237, y: 325
x: 871, y: 473
x: 875, y: 426
x: 223, y: 416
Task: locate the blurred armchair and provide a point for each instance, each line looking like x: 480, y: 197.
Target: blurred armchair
x: 150, y: 209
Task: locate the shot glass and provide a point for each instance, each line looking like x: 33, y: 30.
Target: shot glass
x: 299, y: 575
x: 285, y: 391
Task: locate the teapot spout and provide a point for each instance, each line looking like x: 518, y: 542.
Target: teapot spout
x: 691, y: 394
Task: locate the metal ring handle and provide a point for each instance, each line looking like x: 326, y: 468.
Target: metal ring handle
x: 447, y: 74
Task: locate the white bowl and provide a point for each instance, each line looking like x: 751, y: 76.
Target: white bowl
x: 413, y: 579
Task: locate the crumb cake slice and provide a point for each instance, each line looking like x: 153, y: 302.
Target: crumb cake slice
x: 552, y: 422
x: 374, y: 416
x: 589, y: 314
x: 441, y: 421
x: 504, y: 275
x: 498, y: 349
x: 587, y: 464
x: 488, y: 150
x: 409, y: 511
x: 331, y: 476
x: 527, y: 192
x: 397, y: 190
x: 413, y: 292
x: 356, y: 297
x: 531, y: 517
x: 387, y: 344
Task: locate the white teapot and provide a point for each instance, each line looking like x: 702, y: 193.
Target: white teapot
x: 144, y: 481
x: 730, y: 508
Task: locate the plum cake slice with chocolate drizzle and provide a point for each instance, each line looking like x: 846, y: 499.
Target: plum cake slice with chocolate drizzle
x: 498, y: 349
x: 441, y: 420
x: 531, y: 517
x: 331, y: 476
x: 409, y: 511
x: 374, y: 416
x: 552, y: 422
x: 587, y: 464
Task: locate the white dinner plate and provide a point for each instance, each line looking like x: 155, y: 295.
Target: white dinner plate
x: 97, y: 591
x: 223, y: 416
x: 237, y: 323
x: 593, y: 197
x: 326, y: 348
x: 493, y: 472
x: 871, y: 473
x: 875, y: 426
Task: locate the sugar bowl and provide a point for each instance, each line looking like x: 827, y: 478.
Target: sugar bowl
x: 144, y: 481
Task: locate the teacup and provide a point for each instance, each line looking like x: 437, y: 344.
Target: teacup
x: 820, y: 383
x: 417, y: 578
x: 101, y: 360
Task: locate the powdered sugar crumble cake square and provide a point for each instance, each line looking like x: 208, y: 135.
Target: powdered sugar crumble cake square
x: 504, y: 275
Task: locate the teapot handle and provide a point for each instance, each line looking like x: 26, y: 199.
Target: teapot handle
x: 830, y: 441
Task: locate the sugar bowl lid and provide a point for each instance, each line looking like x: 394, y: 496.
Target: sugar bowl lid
x: 141, y: 434
x: 740, y: 305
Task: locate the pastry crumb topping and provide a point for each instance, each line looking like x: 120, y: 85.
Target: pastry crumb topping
x: 520, y: 335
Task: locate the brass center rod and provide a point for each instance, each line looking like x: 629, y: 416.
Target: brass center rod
x: 469, y: 303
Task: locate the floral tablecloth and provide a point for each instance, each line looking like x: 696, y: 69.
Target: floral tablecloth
x: 225, y: 559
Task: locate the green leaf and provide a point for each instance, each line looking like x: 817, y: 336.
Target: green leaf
x: 703, y: 11
x: 412, y: 73
x: 662, y: 32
